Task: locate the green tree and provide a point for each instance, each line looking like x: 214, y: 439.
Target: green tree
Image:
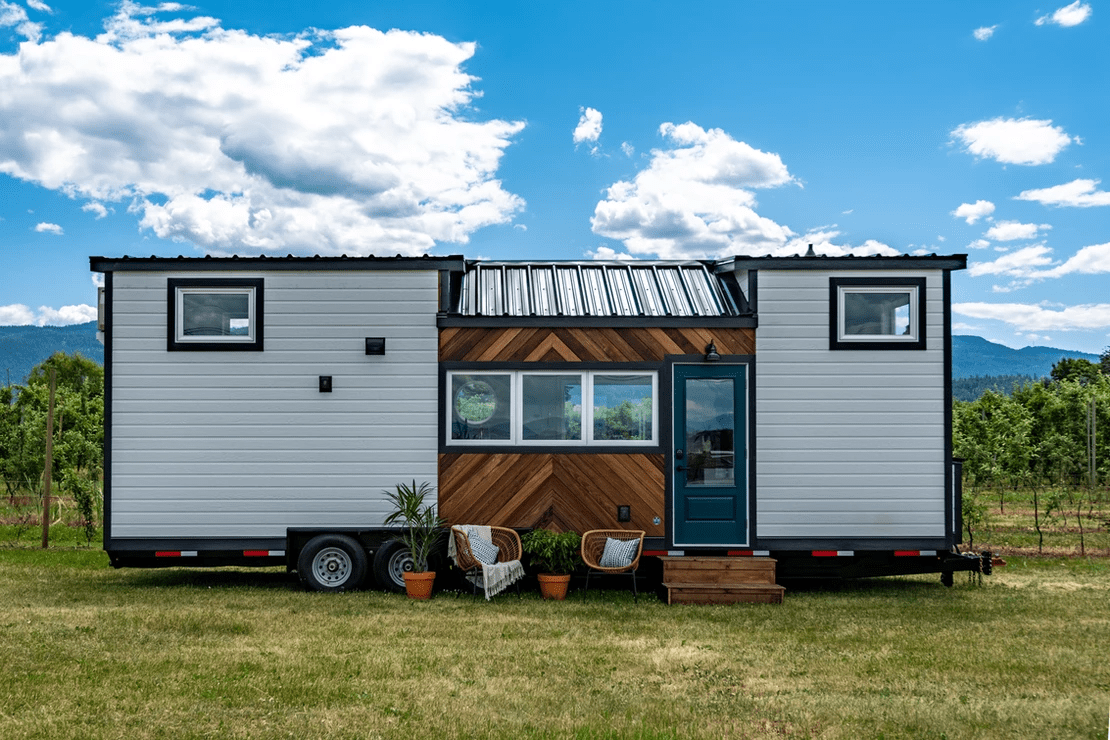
x: 78, y: 433
x: 1075, y: 368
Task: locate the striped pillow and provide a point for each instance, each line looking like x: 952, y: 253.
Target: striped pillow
x: 484, y: 552
x: 618, y: 553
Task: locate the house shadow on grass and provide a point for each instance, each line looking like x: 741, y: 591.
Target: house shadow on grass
x: 216, y: 578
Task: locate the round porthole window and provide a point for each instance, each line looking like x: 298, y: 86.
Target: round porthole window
x: 475, y: 402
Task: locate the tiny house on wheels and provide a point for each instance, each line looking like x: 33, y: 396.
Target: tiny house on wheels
x: 791, y: 411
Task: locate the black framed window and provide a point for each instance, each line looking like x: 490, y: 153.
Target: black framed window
x: 214, y: 314
x: 877, y: 314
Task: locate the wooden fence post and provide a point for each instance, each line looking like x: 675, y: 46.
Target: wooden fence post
x: 48, y: 473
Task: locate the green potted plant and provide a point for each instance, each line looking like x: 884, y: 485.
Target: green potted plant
x: 422, y: 529
x: 557, y: 555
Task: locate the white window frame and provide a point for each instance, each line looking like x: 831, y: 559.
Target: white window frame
x: 913, y: 288
x: 516, y: 410
x: 450, y: 410
x: 252, y: 321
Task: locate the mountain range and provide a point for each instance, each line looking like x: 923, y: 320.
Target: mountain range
x: 23, y: 347
x: 974, y: 356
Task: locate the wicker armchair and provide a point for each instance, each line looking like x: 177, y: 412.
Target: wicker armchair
x: 509, y: 549
x: 593, y: 545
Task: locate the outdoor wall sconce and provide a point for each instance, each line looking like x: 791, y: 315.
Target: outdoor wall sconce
x: 325, y: 384
x: 375, y: 345
x: 711, y: 352
x: 624, y: 513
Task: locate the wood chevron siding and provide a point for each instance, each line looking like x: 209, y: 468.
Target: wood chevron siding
x: 544, y: 344
x: 559, y: 491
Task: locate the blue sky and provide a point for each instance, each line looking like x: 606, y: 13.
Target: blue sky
x: 565, y: 130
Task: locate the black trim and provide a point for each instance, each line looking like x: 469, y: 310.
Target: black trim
x: 835, y: 343
x: 172, y: 343
x: 848, y: 262
x: 614, y: 322
x: 108, y: 368
x: 300, y: 264
x: 855, y: 544
x: 667, y: 406
x: 201, y: 544
x: 952, y: 504
x: 753, y: 294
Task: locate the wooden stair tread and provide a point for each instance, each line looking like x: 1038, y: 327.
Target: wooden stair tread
x: 720, y: 586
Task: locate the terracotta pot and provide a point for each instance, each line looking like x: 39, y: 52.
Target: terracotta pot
x: 553, y: 586
x: 419, y: 585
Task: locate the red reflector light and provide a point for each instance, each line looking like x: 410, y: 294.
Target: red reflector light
x: 740, y: 553
x: 824, y: 553
x: 654, y: 553
x: 167, y: 554
x: 256, y: 553
x: 906, y: 553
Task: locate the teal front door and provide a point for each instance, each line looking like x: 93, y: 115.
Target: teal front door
x: 709, y: 461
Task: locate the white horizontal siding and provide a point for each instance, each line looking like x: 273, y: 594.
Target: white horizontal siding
x: 243, y: 444
x: 850, y: 443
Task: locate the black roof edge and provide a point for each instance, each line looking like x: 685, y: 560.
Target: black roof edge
x: 598, y: 322
x: 848, y: 262
x: 153, y: 263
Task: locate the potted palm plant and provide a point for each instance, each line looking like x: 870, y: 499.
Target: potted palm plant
x: 556, y: 554
x: 422, y: 529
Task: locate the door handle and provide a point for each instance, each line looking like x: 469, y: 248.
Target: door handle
x: 679, y: 467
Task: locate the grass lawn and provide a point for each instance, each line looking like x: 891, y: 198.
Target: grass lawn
x: 91, y: 652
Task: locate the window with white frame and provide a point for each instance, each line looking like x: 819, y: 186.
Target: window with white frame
x: 552, y: 408
x: 876, y: 313
x: 214, y: 314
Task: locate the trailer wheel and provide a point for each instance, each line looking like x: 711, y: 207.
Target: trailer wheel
x: 332, y: 562
x: 391, y: 562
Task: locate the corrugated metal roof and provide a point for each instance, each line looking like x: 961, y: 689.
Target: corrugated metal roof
x: 655, y: 289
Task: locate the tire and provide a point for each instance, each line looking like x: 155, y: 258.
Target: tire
x: 332, y: 563
x: 390, y: 561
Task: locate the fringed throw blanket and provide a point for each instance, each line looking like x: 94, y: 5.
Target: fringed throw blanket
x: 494, y: 577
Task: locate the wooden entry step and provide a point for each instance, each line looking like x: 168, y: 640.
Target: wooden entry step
x: 718, y: 580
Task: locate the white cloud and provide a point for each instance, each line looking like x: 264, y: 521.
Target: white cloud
x: 1067, y: 16
x: 979, y: 244
x: 983, y: 33
x: 605, y: 253
x: 589, y: 126
x: 694, y: 198
x: 972, y: 212
x: 1008, y: 231
x: 17, y: 314
x: 98, y: 279
x: 1034, y: 318
x: 522, y: 227
x: 94, y: 207
x: 48, y: 228
x: 628, y: 149
x: 348, y: 141
x: 1078, y: 193
x: 1091, y: 260
x: 39, y: 5
x: 1022, y: 263
x: 14, y: 15
x: 1014, y: 141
